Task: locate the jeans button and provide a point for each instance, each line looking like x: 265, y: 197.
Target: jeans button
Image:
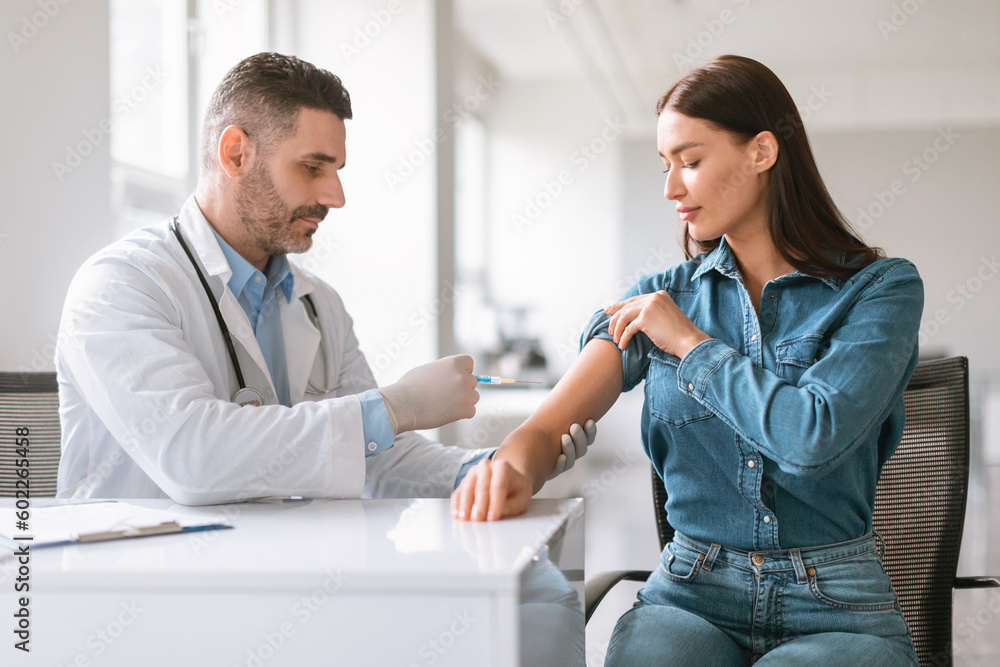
x: 758, y: 559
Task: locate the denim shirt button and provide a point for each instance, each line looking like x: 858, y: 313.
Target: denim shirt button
x: 753, y: 338
x: 767, y: 519
x: 751, y: 463
x: 772, y: 296
x: 690, y: 386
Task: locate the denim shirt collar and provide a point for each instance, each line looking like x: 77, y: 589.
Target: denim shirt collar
x: 723, y: 260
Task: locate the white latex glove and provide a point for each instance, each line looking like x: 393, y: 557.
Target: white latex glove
x: 574, y: 446
x: 432, y: 395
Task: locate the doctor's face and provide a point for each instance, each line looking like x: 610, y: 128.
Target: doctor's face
x: 288, y: 191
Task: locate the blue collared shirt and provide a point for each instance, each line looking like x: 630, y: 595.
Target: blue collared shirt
x: 257, y: 296
x: 772, y: 433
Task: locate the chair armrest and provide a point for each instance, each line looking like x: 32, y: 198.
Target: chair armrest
x: 599, y: 586
x: 960, y: 582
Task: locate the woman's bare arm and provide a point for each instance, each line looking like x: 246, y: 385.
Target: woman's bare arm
x: 504, y: 486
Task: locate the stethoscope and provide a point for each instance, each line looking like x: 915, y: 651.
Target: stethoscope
x: 246, y: 395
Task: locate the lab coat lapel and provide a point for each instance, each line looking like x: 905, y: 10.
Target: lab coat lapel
x: 198, y: 232
x: 302, y: 337
x: 255, y: 372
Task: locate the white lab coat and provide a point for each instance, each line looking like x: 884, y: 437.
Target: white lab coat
x: 145, y: 388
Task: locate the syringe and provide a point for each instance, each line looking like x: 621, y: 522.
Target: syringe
x: 496, y: 379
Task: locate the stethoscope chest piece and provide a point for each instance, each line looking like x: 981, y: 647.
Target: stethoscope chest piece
x: 248, y: 396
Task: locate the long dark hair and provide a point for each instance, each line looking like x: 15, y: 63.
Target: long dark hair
x: 744, y: 97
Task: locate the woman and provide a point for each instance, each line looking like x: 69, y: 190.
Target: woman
x: 775, y: 361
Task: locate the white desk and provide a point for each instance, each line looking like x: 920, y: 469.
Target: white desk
x: 329, y: 582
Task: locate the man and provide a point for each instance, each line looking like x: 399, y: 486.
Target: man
x: 150, y: 386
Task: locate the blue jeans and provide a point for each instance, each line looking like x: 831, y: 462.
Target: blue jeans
x: 710, y: 605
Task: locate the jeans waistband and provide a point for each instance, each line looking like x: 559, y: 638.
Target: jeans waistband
x: 781, y: 559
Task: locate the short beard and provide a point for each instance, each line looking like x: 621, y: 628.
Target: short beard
x: 267, y: 218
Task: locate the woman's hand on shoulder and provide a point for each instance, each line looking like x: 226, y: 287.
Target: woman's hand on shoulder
x: 657, y: 316
x: 491, y: 490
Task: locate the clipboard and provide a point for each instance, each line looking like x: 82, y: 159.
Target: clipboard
x: 101, y: 521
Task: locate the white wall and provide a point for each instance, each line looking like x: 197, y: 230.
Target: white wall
x: 943, y: 218
x: 55, y: 77
x: 554, y: 243
x: 379, y: 250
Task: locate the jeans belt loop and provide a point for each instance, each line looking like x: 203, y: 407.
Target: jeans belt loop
x: 879, y: 544
x: 798, y: 565
x: 713, y: 552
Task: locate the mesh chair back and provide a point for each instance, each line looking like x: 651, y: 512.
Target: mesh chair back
x: 663, y: 527
x: 29, y: 401
x: 920, y: 503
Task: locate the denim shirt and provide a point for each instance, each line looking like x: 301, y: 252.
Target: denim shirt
x: 772, y: 433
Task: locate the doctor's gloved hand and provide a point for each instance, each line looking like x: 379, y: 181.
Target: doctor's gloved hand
x: 432, y: 395
x: 574, y: 446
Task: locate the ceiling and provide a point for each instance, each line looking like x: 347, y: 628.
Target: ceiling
x: 630, y: 51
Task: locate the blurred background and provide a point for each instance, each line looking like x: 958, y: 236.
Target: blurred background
x: 503, y: 183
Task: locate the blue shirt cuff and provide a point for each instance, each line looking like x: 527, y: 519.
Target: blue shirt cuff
x: 467, y: 466
x: 699, y: 364
x: 375, y: 422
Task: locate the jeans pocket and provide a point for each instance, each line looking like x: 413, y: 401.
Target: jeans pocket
x: 857, y: 583
x: 681, y: 564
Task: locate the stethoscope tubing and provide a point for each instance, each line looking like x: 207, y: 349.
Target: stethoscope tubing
x: 226, y: 335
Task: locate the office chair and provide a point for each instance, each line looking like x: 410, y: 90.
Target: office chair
x: 919, y: 509
x: 29, y: 401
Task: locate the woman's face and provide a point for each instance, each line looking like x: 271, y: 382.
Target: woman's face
x: 718, y: 181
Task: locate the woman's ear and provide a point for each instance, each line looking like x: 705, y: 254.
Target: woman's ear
x: 765, y: 146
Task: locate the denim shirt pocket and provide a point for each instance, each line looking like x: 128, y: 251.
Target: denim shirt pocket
x: 795, y: 356
x: 666, y: 402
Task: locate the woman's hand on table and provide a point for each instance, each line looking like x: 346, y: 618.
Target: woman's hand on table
x: 491, y: 490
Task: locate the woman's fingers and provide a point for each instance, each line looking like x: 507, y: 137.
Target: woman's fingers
x: 627, y: 332
x: 498, y: 493
x: 458, y: 496
x: 620, y: 322
x: 481, y: 501
x: 616, y: 310
x: 466, y: 496
x: 490, y: 491
x: 615, y: 307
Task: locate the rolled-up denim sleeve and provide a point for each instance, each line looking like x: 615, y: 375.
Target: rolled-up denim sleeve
x: 808, y: 426
x: 635, y: 357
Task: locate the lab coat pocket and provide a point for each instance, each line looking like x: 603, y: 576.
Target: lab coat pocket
x: 666, y: 402
x: 795, y: 356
